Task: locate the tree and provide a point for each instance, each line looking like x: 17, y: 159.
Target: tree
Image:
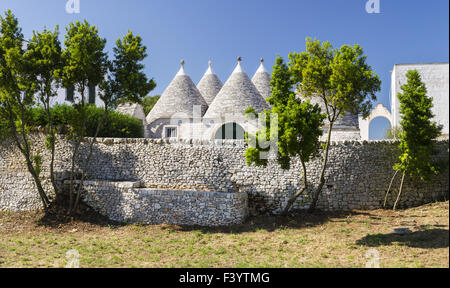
x: 17, y: 96
x: 85, y: 64
x: 44, y: 58
x: 124, y: 82
x: 418, y: 133
x: 132, y: 84
x: 149, y: 102
x: 342, y: 81
x: 299, y: 127
x: 393, y: 133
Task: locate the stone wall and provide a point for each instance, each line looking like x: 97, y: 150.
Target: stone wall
x: 357, y: 176
x: 127, y: 202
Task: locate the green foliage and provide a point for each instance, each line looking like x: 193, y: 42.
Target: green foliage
x: 298, y: 124
x: 149, y: 102
x: 393, y: 133
x: 4, y: 129
x: 17, y: 90
x: 37, y: 160
x: 16, y: 87
x: 340, y: 77
x: 417, y: 138
x: 131, y: 83
x: 44, y: 60
x: 85, y: 61
x: 115, y: 125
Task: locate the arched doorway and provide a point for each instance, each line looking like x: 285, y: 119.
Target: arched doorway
x: 378, y: 128
x: 230, y: 131
x: 364, y: 124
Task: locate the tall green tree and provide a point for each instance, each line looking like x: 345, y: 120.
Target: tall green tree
x: 125, y: 81
x: 418, y: 133
x: 85, y: 64
x: 131, y: 82
x: 298, y: 128
x: 44, y: 58
x: 17, y: 96
x: 341, y: 79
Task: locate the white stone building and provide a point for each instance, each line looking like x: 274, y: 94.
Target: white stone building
x: 436, y: 79
x: 68, y: 95
x: 134, y: 110
x: 212, y: 110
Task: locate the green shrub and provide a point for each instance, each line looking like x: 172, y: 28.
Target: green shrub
x: 116, y: 125
x: 4, y: 129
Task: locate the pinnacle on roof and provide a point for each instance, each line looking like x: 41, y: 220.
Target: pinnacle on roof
x: 179, y: 99
x: 236, y: 95
x: 261, y: 79
x: 209, y: 85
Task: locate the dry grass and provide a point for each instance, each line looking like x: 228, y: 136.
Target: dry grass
x: 320, y: 240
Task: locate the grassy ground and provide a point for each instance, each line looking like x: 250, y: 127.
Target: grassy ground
x: 320, y: 240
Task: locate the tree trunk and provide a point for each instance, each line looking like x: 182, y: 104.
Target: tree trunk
x: 26, y: 153
x: 316, y: 194
x: 79, y: 138
x: 300, y: 192
x: 52, y: 147
x: 72, y: 175
x: 37, y: 181
x: 399, y: 192
x: 389, y: 189
x: 86, y: 165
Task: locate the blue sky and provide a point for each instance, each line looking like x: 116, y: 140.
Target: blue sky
x: 406, y: 31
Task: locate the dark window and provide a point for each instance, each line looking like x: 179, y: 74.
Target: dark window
x: 230, y: 131
x: 171, y: 132
x: 69, y: 93
x: 91, y: 94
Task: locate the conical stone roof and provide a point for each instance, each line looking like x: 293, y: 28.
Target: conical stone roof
x: 210, y: 85
x: 261, y: 79
x: 236, y: 95
x: 131, y: 109
x: 179, y: 98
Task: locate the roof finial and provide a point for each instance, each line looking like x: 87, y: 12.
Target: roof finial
x: 238, y: 68
x: 209, y: 71
x: 261, y: 68
x: 181, y: 71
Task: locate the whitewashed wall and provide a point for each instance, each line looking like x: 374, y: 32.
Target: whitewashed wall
x: 436, y: 78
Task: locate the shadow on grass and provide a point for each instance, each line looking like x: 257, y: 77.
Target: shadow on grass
x: 432, y: 238
x: 270, y: 223
x: 57, y: 215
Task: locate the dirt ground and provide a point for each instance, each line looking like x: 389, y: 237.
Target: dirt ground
x: 348, y: 239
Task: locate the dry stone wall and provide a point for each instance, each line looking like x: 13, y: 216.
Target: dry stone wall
x: 128, y: 202
x: 357, y: 176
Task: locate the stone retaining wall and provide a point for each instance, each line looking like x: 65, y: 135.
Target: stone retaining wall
x: 126, y: 202
x: 358, y: 173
